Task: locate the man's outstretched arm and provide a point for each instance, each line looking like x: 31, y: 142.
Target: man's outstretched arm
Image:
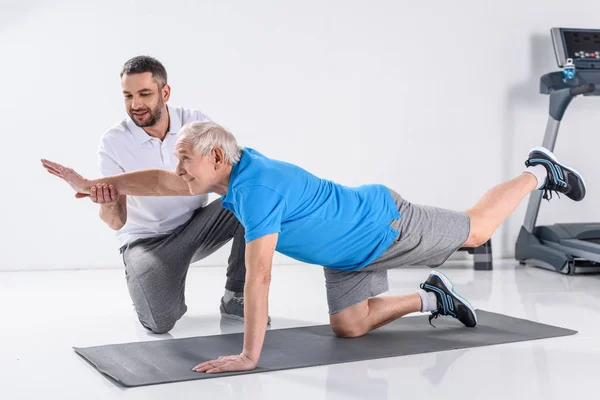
x: 147, y: 182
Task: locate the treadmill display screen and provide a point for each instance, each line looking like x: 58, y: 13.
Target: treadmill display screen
x: 582, y: 44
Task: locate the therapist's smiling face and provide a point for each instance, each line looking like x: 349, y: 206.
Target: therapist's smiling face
x: 197, y: 171
x: 145, y: 98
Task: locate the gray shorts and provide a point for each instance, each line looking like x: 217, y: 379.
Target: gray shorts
x: 428, y: 236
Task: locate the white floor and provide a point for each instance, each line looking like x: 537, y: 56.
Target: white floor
x: 44, y: 314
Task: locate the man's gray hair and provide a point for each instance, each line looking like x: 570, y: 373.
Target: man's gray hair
x: 205, y: 136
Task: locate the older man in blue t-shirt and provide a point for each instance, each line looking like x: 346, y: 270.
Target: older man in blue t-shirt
x: 356, y: 234
x: 318, y: 221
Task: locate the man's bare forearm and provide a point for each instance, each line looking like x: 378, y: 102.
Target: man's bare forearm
x: 256, y: 299
x: 147, y: 182
x: 114, y: 214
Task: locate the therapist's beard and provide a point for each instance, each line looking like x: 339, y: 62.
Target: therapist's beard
x: 155, y: 115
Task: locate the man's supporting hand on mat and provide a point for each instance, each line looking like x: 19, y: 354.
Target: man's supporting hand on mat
x: 259, y: 262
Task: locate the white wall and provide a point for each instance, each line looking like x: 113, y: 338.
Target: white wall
x: 436, y: 99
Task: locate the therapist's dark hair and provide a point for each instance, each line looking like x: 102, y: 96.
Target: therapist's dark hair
x: 141, y: 64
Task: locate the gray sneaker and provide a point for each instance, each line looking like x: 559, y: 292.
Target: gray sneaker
x: 234, y: 308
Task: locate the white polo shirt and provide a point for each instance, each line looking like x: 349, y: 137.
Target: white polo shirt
x: 125, y: 148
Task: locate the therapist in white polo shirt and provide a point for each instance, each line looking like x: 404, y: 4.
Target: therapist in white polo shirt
x: 160, y: 236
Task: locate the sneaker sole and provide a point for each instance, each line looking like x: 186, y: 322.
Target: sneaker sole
x: 232, y: 316
x: 451, y: 288
x: 550, y: 154
x: 237, y: 317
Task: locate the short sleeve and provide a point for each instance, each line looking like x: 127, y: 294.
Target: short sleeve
x: 107, y: 161
x: 260, y: 211
x: 198, y: 116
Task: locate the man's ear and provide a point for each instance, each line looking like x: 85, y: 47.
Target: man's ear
x: 218, y: 156
x: 165, y: 92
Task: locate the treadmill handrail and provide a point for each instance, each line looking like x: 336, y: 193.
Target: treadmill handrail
x: 583, y: 89
x: 561, y: 98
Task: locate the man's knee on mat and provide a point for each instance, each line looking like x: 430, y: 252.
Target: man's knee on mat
x: 349, y: 330
x: 162, y: 323
x: 158, y: 329
x: 351, y: 322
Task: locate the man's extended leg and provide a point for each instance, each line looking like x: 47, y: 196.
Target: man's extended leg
x: 543, y: 172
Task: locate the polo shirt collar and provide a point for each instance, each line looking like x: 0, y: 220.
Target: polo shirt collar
x: 228, y: 198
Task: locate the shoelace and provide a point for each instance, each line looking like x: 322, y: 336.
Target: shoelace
x: 548, y: 194
x: 550, y: 186
x: 239, y: 300
x: 434, y: 315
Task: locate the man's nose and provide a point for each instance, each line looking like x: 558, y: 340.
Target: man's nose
x: 136, y: 103
x: 179, y: 169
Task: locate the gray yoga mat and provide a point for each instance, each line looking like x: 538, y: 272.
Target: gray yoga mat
x: 171, y: 360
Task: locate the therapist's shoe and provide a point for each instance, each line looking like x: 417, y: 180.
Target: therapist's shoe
x: 234, y: 308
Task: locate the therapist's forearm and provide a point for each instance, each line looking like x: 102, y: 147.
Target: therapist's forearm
x: 256, y: 311
x: 147, y: 182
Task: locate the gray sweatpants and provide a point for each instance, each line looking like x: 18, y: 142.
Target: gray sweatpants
x: 428, y: 236
x: 156, y: 267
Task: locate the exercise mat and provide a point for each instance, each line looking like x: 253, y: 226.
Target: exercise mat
x: 172, y: 360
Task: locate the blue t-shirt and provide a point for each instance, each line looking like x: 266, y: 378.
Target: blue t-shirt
x: 318, y: 221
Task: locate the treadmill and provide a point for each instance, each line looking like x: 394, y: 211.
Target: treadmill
x: 570, y: 248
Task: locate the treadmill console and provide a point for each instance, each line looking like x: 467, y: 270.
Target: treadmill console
x: 582, y: 46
